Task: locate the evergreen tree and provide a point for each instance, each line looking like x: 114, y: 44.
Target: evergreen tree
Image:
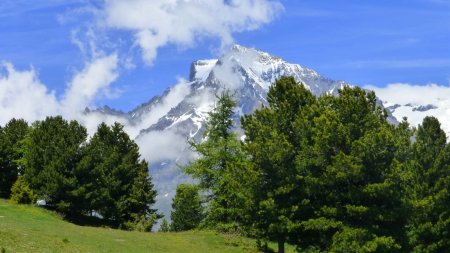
x: 122, y: 190
x: 352, y: 177
x: 164, y: 227
x: 186, y: 208
x: 51, y: 150
x: 21, y: 192
x: 272, y: 143
x: 329, y: 178
x: 10, y: 137
x: 221, y: 167
x: 430, y: 224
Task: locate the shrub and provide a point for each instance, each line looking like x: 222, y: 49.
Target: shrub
x: 21, y: 192
x: 165, y: 227
x: 140, y: 223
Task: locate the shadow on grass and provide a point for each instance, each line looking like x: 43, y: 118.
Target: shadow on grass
x: 85, y: 220
x: 91, y: 221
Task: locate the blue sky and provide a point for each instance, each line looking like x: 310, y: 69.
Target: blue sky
x: 372, y: 42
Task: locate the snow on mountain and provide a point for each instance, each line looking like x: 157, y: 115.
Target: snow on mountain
x: 415, y: 102
x: 200, y: 69
x: 416, y: 112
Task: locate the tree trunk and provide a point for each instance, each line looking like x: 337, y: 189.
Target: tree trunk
x: 280, y: 245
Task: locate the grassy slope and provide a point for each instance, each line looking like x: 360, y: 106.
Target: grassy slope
x: 31, y: 229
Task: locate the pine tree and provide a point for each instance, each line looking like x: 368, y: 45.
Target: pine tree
x: 10, y: 137
x: 429, y: 229
x: 221, y: 168
x: 51, y: 151
x: 187, y: 211
x: 329, y: 178
x: 122, y: 190
x: 164, y: 227
x: 352, y: 178
x: 272, y: 143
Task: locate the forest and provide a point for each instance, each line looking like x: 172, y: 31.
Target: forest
x: 325, y: 174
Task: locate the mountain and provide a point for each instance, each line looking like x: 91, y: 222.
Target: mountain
x: 164, y: 124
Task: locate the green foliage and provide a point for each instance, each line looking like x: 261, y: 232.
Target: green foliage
x: 350, y: 168
x: 105, y: 175
x: 187, y: 211
x: 328, y: 172
x: 122, y: 190
x: 430, y: 141
x: 272, y: 143
x: 10, y: 137
x: 21, y: 193
x: 164, y: 227
x: 51, y: 150
x: 429, y: 228
x: 356, y: 240
x: 334, y: 176
x: 221, y: 168
x: 140, y: 223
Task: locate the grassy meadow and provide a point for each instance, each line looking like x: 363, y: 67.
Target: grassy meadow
x: 26, y: 228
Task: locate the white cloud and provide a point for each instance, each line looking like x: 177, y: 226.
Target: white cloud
x: 158, y: 146
x: 86, y: 85
x: 416, y: 95
x: 22, y: 95
x: 157, y: 23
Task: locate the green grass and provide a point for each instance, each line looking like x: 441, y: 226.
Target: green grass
x: 25, y: 228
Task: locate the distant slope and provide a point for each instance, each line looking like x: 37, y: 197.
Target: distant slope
x: 31, y: 229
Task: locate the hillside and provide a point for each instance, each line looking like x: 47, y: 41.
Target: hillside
x: 26, y: 228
